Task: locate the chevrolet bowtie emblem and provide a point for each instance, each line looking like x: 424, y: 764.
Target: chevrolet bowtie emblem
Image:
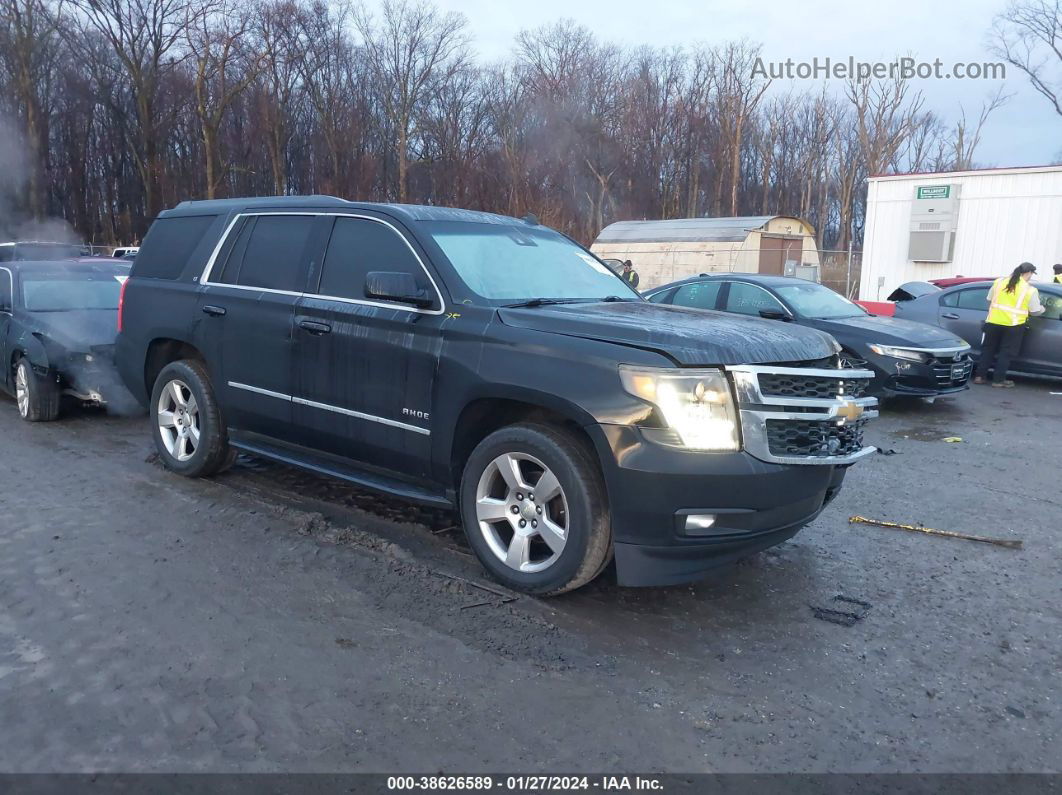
x: 850, y: 411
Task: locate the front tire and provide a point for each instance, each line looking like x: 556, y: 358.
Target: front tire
x: 189, y: 433
x: 534, y: 509
x: 37, y: 398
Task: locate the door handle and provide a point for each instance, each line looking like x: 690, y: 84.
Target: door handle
x: 315, y: 328
x: 214, y: 311
x: 949, y: 315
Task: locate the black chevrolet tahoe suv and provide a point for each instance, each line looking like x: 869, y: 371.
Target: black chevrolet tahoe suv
x: 467, y: 360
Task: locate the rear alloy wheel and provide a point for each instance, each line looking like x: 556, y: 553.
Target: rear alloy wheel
x: 534, y: 509
x: 37, y: 399
x: 189, y: 433
x: 178, y: 419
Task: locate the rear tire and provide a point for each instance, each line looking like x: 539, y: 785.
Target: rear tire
x: 37, y: 398
x: 551, y: 483
x: 187, y: 426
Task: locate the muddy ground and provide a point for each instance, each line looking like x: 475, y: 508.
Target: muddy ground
x: 270, y: 620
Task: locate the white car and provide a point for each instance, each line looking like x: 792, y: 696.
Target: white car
x: 123, y: 251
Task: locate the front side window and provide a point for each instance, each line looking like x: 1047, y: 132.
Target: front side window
x: 42, y: 292
x: 513, y: 262
x: 814, y: 301
x: 748, y: 299
x: 701, y: 295
x: 1052, y: 303
x: 274, y: 257
x: 359, y: 246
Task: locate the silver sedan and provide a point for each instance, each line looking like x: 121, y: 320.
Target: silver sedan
x: 962, y: 310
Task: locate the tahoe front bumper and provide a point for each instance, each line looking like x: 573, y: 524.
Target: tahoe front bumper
x: 677, y: 513
x: 653, y: 488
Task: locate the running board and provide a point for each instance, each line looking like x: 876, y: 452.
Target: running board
x: 306, y: 459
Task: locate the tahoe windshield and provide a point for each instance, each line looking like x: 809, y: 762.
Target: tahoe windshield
x: 503, y: 262
x: 43, y: 293
x: 817, y: 302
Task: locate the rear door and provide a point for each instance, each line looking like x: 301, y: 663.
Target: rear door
x: 365, y: 369
x: 1041, y: 350
x: 248, y: 305
x: 963, y: 313
x: 698, y: 295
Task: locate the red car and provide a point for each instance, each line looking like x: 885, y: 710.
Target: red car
x: 954, y: 280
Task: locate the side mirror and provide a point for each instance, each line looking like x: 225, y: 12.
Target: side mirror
x: 775, y: 314
x: 397, y: 286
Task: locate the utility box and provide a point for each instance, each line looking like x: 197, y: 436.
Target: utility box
x: 934, y: 216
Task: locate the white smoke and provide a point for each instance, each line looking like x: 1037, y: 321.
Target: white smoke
x: 15, y: 222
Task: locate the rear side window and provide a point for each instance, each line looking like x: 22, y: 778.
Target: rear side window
x: 357, y: 247
x: 699, y: 295
x: 968, y: 299
x: 169, y: 245
x: 274, y: 258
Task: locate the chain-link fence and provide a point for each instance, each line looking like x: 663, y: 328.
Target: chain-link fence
x: 840, y: 273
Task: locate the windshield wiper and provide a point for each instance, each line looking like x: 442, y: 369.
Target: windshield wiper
x: 613, y: 298
x: 545, y: 302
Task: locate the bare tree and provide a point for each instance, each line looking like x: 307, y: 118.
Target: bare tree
x: 144, y: 37
x: 1028, y: 35
x: 411, y: 46
x: 28, y: 38
x: 225, y: 64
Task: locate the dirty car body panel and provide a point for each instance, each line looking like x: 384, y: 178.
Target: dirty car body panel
x: 963, y: 308
x: 392, y: 395
x: 907, y: 358
x: 61, y: 317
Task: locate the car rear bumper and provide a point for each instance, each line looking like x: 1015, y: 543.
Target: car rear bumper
x: 653, y: 488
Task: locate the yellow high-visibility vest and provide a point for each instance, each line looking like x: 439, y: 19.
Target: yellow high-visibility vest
x: 1010, y: 309
x: 1058, y: 278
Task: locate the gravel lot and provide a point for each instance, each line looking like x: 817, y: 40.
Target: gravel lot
x: 270, y: 620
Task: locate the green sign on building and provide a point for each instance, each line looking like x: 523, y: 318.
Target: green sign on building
x: 934, y: 192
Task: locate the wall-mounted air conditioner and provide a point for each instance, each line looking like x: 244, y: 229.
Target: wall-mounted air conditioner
x: 934, y: 217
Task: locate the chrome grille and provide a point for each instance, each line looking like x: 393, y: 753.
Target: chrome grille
x: 783, y: 385
x: 820, y: 439
x: 798, y: 415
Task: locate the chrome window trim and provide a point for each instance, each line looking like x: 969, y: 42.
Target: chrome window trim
x: 11, y: 281
x: 755, y: 408
x: 328, y: 407
x: 204, y: 278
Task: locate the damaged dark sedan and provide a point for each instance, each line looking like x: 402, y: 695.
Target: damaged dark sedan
x: 907, y: 358
x: 57, y: 330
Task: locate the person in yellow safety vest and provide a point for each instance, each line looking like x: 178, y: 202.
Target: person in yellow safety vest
x: 630, y: 275
x: 1010, y: 302
x: 1058, y: 273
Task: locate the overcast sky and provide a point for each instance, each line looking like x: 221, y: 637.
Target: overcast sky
x: 1026, y: 131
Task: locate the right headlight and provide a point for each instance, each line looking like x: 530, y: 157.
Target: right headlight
x: 696, y: 404
x: 899, y: 353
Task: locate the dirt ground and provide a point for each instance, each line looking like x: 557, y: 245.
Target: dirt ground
x: 270, y: 620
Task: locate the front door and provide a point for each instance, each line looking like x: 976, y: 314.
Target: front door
x: 248, y: 305
x: 365, y: 369
x: 1041, y: 350
x: 964, y: 312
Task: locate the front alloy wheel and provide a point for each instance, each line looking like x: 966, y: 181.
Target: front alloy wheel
x: 178, y: 419
x: 534, y: 508
x: 522, y: 512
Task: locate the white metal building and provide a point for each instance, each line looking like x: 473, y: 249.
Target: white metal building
x: 961, y: 223
x: 665, y: 251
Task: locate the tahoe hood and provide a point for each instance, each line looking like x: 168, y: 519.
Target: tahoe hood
x: 691, y: 337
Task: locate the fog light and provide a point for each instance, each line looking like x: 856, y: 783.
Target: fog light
x: 699, y: 521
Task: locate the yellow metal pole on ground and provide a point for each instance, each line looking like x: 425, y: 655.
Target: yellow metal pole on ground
x: 911, y: 528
